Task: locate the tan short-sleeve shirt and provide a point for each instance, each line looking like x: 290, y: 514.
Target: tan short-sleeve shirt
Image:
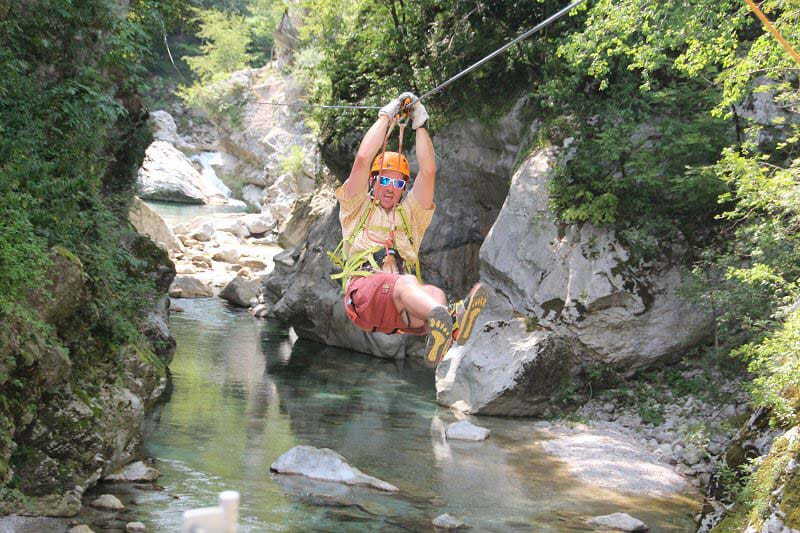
x: 381, y: 223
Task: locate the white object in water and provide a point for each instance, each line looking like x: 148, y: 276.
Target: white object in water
x: 221, y: 519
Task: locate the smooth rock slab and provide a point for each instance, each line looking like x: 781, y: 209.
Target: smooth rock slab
x: 465, y: 430
x: 325, y: 464
x: 447, y: 521
x: 135, y: 527
x: 619, y: 522
x: 134, y: 472
x: 108, y: 501
x: 83, y: 528
x: 613, y: 460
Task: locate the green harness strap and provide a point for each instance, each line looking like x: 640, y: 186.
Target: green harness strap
x: 351, y: 266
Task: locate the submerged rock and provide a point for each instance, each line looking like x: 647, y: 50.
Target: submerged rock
x: 135, y: 527
x: 325, y: 464
x: 613, y: 460
x: 619, y: 522
x: 448, y: 521
x: 465, y: 430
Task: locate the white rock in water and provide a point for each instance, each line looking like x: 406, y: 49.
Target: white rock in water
x: 137, y: 471
x: 465, y: 430
x: 82, y: 528
x: 447, y: 521
x: 619, y: 521
x: 108, y: 501
x: 135, y: 527
x: 325, y: 464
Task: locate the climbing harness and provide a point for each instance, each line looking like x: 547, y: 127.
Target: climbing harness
x: 545, y: 23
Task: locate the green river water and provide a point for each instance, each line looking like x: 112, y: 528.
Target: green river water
x: 244, y: 393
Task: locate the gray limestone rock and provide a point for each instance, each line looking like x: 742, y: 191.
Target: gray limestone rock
x: 189, y: 287
x: 168, y: 175
x: 108, y: 501
x: 240, y: 291
x: 504, y: 369
x: 618, y: 522
x: 135, y: 527
x: 137, y: 471
x: 579, y: 282
x: 147, y: 222
x: 325, y: 465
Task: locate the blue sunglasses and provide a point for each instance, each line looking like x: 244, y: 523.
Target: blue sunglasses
x: 385, y: 181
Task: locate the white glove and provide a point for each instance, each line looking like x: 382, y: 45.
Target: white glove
x: 391, y: 109
x: 419, y: 115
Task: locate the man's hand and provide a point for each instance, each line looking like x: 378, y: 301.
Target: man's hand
x: 391, y: 109
x: 419, y: 115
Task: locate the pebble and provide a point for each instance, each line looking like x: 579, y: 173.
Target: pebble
x: 82, y: 528
x: 135, y: 527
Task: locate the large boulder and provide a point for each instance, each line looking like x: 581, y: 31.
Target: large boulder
x: 147, y: 222
x: 573, y: 300
x: 168, y: 175
x: 579, y: 281
x: 240, y: 291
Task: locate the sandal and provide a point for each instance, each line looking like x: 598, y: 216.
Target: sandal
x: 467, y: 311
x: 440, y: 337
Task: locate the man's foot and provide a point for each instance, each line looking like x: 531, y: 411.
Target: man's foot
x: 466, y: 311
x: 440, y: 337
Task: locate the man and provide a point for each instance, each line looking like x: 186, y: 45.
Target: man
x: 382, y: 234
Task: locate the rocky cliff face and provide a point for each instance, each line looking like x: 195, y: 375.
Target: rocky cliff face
x: 574, y: 302
x: 81, y: 416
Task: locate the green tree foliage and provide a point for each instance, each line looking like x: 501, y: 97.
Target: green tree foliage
x: 71, y: 138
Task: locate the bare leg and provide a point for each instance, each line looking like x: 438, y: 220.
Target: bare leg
x: 416, y: 299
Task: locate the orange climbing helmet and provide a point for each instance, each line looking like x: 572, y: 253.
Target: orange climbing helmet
x: 391, y: 161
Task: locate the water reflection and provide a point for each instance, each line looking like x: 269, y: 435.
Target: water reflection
x: 245, y: 392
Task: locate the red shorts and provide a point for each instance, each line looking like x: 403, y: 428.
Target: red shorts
x: 369, y: 305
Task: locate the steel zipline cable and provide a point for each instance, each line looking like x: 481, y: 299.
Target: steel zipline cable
x: 545, y: 23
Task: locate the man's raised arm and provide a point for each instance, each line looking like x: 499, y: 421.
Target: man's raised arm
x: 373, y: 140
x: 425, y: 183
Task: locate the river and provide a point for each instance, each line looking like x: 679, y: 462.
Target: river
x: 245, y: 391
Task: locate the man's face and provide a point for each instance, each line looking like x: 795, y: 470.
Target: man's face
x: 389, y: 196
